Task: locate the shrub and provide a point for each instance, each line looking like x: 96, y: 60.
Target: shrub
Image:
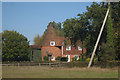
x: 107, y: 64
x: 80, y: 59
x: 76, y: 64
x: 74, y: 59
x: 64, y: 59
x: 88, y: 59
x: 46, y: 58
x: 58, y: 58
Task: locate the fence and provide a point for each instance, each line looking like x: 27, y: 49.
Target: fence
x: 61, y: 64
x: 58, y: 64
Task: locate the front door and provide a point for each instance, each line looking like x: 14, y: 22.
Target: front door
x: 68, y: 57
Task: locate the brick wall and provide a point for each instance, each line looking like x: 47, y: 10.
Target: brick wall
x: 55, y: 51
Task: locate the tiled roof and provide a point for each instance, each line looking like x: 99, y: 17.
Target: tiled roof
x: 51, y: 36
x: 35, y: 46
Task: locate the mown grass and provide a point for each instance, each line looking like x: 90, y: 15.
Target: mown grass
x: 58, y: 72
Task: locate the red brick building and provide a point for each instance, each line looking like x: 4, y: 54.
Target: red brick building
x: 54, y: 46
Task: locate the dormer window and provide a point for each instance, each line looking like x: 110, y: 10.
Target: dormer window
x: 79, y: 48
x: 68, y: 47
x: 52, y: 43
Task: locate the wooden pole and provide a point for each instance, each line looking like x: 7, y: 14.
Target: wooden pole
x: 99, y: 36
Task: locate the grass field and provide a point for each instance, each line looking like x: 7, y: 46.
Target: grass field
x: 48, y: 72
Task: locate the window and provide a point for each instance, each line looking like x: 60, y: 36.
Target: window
x: 76, y: 56
x: 68, y: 48
x: 79, y: 48
x: 52, y: 58
x: 52, y: 43
x: 68, y: 56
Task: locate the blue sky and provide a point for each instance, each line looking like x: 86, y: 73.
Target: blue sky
x: 32, y: 18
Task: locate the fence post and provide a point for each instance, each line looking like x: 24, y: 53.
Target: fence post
x: 39, y: 64
x: 49, y: 65
x: 18, y: 64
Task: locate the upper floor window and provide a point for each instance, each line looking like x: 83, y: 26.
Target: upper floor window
x: 52, y: 43
x: 68, y: 47
x: 79, y: 48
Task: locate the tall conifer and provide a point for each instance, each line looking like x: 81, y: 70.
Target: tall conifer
x: 110, y: 37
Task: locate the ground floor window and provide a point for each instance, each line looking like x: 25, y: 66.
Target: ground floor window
x: 68, y: 56
x: 76, y: 56
x: 52, y: 58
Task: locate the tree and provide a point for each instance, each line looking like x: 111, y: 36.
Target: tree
x: 82, y: 29
x: 75, y: 29
x: 89, y: 24
x: 115, y: 6
x: 115, y: 10
x: 69, y: 28
x: 15, y: 46
x: 95, y: 15
x: 110, y: 37
x: 39, y: 39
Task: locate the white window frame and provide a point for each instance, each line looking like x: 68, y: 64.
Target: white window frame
x: 52, y: 42
x: 79, y: 48
x: 52, y: 58
x: 68, y: 48
x: 68, y: 56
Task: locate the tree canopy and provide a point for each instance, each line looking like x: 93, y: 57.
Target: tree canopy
x: 15, y: 46
x: 87, y: 27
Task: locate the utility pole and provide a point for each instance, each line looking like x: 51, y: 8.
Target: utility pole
x: 98, y: 39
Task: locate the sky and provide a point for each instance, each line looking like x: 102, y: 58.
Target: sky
x: 32, y: 18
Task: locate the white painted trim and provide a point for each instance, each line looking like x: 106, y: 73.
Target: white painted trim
x: 52, y: 42
x: 68, y: 58
x: 69, y: 47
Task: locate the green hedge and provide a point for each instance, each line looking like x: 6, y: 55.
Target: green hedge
x: 76, y: 64
x: 108, y: 64
x: 46, y: 58
x: 58, y: 58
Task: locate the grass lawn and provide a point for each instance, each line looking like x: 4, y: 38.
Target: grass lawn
x: 59, y: 72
